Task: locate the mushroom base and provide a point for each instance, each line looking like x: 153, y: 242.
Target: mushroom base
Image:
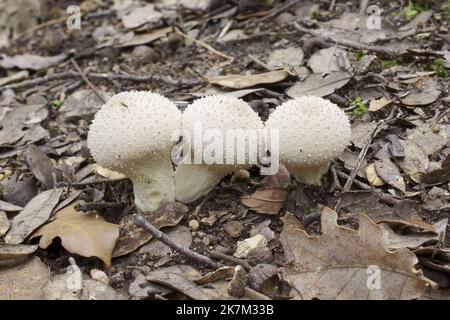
x: 193, y: 181
x: 153, y: 183
x: 308, y: 174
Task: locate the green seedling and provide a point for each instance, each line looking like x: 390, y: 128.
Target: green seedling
x: 438, y: 66
x: 360, y: 108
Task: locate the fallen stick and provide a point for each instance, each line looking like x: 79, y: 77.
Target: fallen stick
x: 204, y: 45
x: 348, y: 43
x: 276, y: 11
x: 89, y: 83
x: 156, y: 233
x: 224, y: 257
x: 100, y: 76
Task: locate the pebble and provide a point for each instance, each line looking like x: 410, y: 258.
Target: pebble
x: 194, y: 225
x: 259, y: 255
x: 233, y: 228
x: 206, y: 241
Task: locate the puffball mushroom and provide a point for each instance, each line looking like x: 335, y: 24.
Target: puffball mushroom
x: 220, y: 114
x: 131, y: 134
x: 313, y: 131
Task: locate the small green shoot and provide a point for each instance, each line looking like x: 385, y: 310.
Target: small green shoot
x: 438, y: 66
x: 386, y: 64
x: 360, y: 108
x: 414, y: 8
x: 358, y: 55
x: 446, y: 9
x: 56, y: 103
x: 314, y: 14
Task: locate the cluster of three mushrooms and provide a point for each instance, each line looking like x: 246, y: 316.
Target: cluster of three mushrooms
x: 134, y: 133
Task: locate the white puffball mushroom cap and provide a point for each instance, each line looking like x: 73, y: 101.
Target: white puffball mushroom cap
x: 221, y: 112
x: 131, y: 126
x: 312, y: 131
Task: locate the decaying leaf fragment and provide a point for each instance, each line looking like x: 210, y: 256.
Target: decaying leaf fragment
x: 24, y: 282
x: 344, y: 264
x: 12, y: 254
x: 238, y: 81
x: 271, y: 197
x: 132, y: 236
x: 85, y: 234
x: 35, y: 214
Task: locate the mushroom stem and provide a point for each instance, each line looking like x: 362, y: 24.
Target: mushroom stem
x: 153, y: 185
x: 193, y: 181
x: 308, y: 174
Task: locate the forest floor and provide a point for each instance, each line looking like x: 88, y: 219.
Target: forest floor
x: 389, y: 190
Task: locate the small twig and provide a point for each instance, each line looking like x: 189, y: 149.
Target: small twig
x: 100, y: 76
x: 89, y: 83
x: 335, y: 185
x: 363, y: 4
x: 440, y: 117
x: 276, y: 11
x: 224, y: 257
x: 201, y: 204
x: 332, y: 5
x: 87, y: 183
x: 386, y: 198
x: 156, y: 233
x: 259, y: 62
x: 254, y: 295
x: 347, y: 43
x: 361, y: 158
x: 204, y: 45
x: 372, y: 75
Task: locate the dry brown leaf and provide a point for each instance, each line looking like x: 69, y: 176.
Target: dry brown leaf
x: 440, y: 174
x: 35, y: 214
x: 387, y: 170
x: 415, y: 163
x: 379, y: 104
x: 8, y: 207
x: 21, y: 124
x: 412, y: 240
x: 271, y: 197
x: 425, y: 91
x: 238, y: 81
x: 335, y: 264
x: 42, y: 167
x: 290, y: 56
x: 30, y: 61
x: 4, y: 223
x: 85, y: 234
x: 328, y: 60
x: 430, y: 139
x: 372, y: 177
x: 144, y: 38
x: 132, y: 237
x: 318, y: 85
x: 24, y: 282
x: 11, y: 254
x: 182, y: 278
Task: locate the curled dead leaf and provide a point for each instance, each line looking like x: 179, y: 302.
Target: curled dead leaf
x: 85, y: 234
x: 336, y: 264
x: 271, y: 197
x: 244, y: 81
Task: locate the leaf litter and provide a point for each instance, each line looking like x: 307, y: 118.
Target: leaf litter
x: 399, y: 192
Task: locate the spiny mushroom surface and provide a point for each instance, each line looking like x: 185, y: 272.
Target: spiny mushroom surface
x: 131, y: 134
x: 220, y: 113
x: 313, y: 131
